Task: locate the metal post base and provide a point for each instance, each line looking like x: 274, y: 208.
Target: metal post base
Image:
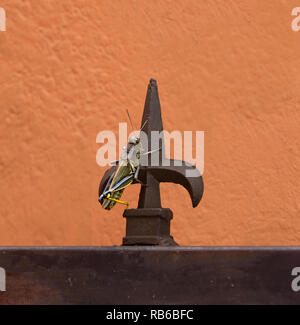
x: 148, y: 226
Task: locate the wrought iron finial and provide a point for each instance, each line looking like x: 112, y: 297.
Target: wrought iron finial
x: 149, y: 224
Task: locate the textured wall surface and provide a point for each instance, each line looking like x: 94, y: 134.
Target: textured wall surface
x: 68, y: 69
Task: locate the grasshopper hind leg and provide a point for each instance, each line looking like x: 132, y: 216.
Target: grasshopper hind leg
x: 117, y: 201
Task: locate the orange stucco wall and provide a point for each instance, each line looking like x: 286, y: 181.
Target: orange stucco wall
x: 68, y: 69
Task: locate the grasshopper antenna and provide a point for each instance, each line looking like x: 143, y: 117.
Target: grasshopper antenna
x: 143, y: 125
x: 130, y: 120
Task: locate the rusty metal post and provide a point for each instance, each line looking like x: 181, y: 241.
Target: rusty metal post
x: 149, y: 224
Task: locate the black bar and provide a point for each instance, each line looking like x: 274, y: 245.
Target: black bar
x: 150, y: 275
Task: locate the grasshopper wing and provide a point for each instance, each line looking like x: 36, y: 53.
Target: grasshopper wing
x: 107, y: 179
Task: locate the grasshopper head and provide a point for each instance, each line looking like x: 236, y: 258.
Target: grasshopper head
x: 134, y: 140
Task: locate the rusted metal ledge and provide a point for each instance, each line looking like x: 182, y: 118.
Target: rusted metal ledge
x: 149, y: 275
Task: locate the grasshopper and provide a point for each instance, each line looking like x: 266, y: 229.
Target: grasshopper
x: 126, y: 172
